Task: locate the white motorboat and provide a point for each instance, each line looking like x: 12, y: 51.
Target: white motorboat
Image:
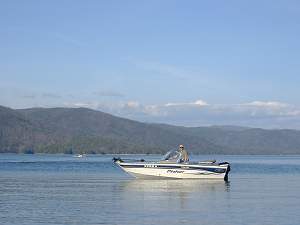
x: 80, y: 155
x: 172, y: 166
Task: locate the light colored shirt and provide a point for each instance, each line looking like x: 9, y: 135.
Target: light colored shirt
x: 184, y: 155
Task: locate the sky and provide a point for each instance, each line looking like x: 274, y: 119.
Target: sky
x: 190, y: 63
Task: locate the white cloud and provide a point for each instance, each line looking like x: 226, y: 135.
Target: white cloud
x: 268, y: 108
x: 270, y: 114
x: 81, y: 104
x: 200, y: 103
x: 153, y: 110
x: 196, y: 103
x: 295, y: 112
x: 132, y: 104
x: 270, y: 104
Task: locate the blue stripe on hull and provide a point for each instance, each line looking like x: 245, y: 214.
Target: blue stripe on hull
x: 214, y: 170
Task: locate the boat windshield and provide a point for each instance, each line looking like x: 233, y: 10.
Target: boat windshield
x: 172, y: 156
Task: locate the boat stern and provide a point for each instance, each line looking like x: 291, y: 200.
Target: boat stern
x: 228, y: 168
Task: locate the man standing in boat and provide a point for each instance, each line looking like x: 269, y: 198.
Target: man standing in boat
x: 184, y: 154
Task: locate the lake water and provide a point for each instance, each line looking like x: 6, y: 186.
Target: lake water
x: 61, y: 189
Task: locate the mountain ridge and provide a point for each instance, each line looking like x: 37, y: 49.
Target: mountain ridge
x: 77, y: 130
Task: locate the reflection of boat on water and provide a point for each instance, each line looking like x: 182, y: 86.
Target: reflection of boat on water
x: 176, y: 185
x: 173, y: 194
x: 173, y: 166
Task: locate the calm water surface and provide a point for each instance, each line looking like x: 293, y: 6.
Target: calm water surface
x: 61, y: 189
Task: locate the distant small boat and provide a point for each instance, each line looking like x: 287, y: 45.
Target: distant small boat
x: 79, y: 155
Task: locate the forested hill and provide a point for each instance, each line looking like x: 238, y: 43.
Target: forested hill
x: 78, y: 130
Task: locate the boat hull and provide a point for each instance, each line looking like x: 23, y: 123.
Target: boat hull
x: 175, y: 171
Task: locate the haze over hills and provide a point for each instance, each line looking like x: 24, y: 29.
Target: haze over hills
x: 74, y: 130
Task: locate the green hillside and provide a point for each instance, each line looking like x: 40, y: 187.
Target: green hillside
x: 74, y: 130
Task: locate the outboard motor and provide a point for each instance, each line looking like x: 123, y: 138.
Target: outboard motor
x: 117, y: 159
x: 227, y: 171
